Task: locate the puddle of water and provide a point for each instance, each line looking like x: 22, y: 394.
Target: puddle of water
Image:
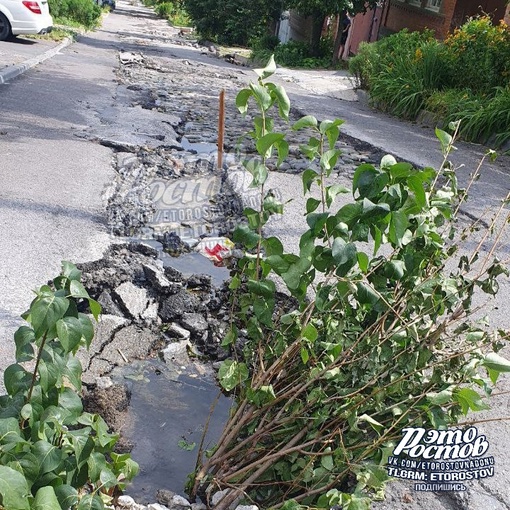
x: 167, y: 406
x: 196, y: 263
x: 200, y: 147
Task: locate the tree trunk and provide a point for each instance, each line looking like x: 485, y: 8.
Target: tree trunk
x: 317, y: 24
x: 338, y: 38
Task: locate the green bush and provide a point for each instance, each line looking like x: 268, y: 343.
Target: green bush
x: 53, y: 455
x: 379, y: 335
x: 465, y: 78
x: 482, y: 118
x: 164, y: 9
x: 295, y: 54
x: 173, y: 11
x: 403, y: 85
x: 265, y: 42
x: 84, y: 12
x: 479, y: 55
x: 233, y: 21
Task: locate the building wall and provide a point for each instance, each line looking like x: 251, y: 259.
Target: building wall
x: 400, y: 14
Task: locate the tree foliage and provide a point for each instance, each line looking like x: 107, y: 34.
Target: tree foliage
x: 233, y: 21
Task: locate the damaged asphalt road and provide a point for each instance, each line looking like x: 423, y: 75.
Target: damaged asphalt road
x: 115, y: 139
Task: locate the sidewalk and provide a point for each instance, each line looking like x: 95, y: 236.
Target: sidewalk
x: 21, y: 54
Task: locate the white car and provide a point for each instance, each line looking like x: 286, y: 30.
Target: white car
x: 24, y: 17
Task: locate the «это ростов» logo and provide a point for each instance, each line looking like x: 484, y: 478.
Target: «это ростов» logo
x: 441, y: 459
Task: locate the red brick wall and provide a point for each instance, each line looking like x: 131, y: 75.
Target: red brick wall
x: 403, y: 15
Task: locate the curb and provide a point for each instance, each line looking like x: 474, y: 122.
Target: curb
x: 12, y: 71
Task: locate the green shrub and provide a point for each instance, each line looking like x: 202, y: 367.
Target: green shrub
x: 164, y: 9
x: 372, y: 58
x: 172, y: 10
x: 361, y: 66
x: 232, y: 21
x: 483, y: 118
x: 479, y: 55
x: 265, y: 42
x: 295, y: 54
x: 403, y: 85
x: 84, y: 12
x: 386, y: 340
x: 52, y: 454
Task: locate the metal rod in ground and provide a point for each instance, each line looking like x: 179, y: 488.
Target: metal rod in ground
x: 221, y: 129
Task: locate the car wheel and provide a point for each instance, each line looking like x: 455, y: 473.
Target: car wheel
x: 5, y: 28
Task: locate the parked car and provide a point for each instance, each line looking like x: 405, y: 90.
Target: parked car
x: 24, y: 17
x: 106, y: 3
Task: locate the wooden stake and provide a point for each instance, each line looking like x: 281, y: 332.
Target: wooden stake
x: 221, y: 129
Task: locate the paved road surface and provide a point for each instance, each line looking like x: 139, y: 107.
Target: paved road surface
x: 51, y: 180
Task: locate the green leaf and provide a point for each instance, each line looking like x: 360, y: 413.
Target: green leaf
x: 258, y: 171
x: 350, y: 213
x: 14, y: 489
x: 23, y: 338
x: 95, y: 309
x: 344, y: 255
x: 496, y: 363
x: 96, y: 463
x: 469, y: 399
x: 70, y: 271
x: 16, y: 379
x: 69, y: 331
x: 440, y: 398
x: 242, y: 100
x: 326, y: 125
x: 73, y: 372
x: 71, y: 402
x: 45, y: 311
x: 394, y: 269
x: 388, y: 161
x: 186, y: 446
x: 48, y: 455
x: 308, y: 121
x: 333, y: 191
x: 366, y: 294
x: 398, y: 227
x: 90, y: 502
x: 87, y: 329
x: 264, y: 288
x: 77, y: 290
x: 279, y: 93
x: 316, y: 221
x: 67, y: 496
x: 327, y: 462
x: 265, y: 144
x: 46, y: 499
x: 261, y: 95
x: 329, y: 158
x: 312, y: 204
x: 245, y: 236
x: 308, y: 177
x: 272, y: 246
x: 363, y: 261
x: 107, y: 478
x: 444, y: 138
x: 416, y: 186
x: 9, y: 431
x: 232, y: 373
x: 268, y: 71
x: 310, y: 333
